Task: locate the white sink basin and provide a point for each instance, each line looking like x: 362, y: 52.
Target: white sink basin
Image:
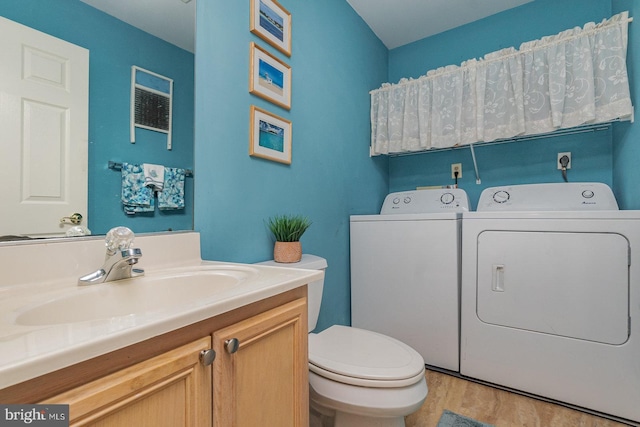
x: 138, y: 296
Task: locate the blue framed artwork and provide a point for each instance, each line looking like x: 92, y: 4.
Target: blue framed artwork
x: 272, y: 23
x: 269, y: 136
x: 269, y: 77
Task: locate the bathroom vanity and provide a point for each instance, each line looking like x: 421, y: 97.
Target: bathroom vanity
x: 155, y: 368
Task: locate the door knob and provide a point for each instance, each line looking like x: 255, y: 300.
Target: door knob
x: 232, y: 345
x: 75, y: 218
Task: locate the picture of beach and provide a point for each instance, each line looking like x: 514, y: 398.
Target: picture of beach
x: 271, y: 136
x: 270, y: 77
x: 271, y: 21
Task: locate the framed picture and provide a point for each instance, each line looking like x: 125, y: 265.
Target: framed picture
x: 269, y: 136
x: 272, y: 23
x: 269, y: 77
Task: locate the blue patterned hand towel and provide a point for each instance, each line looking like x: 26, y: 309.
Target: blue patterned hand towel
x: 136, y: 197
x: 172, y: 195
x: 132, y: 210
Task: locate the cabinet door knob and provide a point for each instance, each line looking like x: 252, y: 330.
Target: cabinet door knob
x: 207, y: 357
x: 232, y: 345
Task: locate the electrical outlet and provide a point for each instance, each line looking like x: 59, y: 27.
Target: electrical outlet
x: 456, y: 167
x: 560, y: 155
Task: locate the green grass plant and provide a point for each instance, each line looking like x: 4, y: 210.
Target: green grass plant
x: 288, y: 228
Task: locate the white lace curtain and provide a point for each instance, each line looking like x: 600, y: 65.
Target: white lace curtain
x: 575, y: 78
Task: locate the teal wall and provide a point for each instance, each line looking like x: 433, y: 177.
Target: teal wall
x: 605, y: 156
x: 528, y: 22
x: 336, y: 60
x: 114, y: 47
x: 626, y: 136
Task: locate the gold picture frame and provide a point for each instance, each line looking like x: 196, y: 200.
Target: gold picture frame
x: 269, y: 77
x: 272, y: 23
x: 269, y: 136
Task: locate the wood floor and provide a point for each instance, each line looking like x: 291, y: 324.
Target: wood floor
x: 494, y: 406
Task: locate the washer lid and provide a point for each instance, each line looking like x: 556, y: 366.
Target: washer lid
x: 358, y: 353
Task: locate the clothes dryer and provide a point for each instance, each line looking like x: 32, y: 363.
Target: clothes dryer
x: 550, y: 298
x: 405, y: 271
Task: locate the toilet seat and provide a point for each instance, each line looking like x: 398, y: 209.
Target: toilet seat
x: 364, y: 358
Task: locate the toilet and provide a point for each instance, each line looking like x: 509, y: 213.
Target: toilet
x: 358, y: 377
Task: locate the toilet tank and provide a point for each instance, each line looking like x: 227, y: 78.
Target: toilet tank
x: 314, y: 289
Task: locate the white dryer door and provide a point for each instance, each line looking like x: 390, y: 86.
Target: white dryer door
x: 571, y: 284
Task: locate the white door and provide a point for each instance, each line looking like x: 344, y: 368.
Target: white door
x: 44, y: 117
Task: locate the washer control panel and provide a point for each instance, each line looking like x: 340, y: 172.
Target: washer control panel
x: 569, y: 196
x: 426, y: 201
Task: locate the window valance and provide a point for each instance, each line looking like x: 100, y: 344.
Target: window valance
x: 575, y: 78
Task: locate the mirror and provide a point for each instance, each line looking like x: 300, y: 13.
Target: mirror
x: 155, y: 35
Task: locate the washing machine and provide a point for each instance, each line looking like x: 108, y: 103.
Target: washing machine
x: 550, y: 301
x: 405, y: 271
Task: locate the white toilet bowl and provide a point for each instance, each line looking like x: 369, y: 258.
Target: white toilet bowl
x: 357, y: 377
x: 362, y: 378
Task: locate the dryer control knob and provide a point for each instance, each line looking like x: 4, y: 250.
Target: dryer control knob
x: 587, y: 194
x: 407, y: 200
x: 501, y: 196
x: 396, y: 200
x: 447, y: 198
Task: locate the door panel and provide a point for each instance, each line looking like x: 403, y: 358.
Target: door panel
x: 172, y: 389
x: 264, y: 380
x: 568, y: 284
x: 44, y: 110
x: 405, y: 284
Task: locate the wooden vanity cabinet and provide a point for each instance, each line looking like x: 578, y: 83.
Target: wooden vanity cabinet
x: 259, y: 376
x: 169, y: 390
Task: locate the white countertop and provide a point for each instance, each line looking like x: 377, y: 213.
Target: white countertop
x: 28, y: 351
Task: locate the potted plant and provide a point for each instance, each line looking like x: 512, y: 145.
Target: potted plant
x: 287, y: 230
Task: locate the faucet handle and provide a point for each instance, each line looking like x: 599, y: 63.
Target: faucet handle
x: 119, y: 239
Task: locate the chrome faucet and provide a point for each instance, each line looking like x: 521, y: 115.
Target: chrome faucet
x: 119, y: 260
